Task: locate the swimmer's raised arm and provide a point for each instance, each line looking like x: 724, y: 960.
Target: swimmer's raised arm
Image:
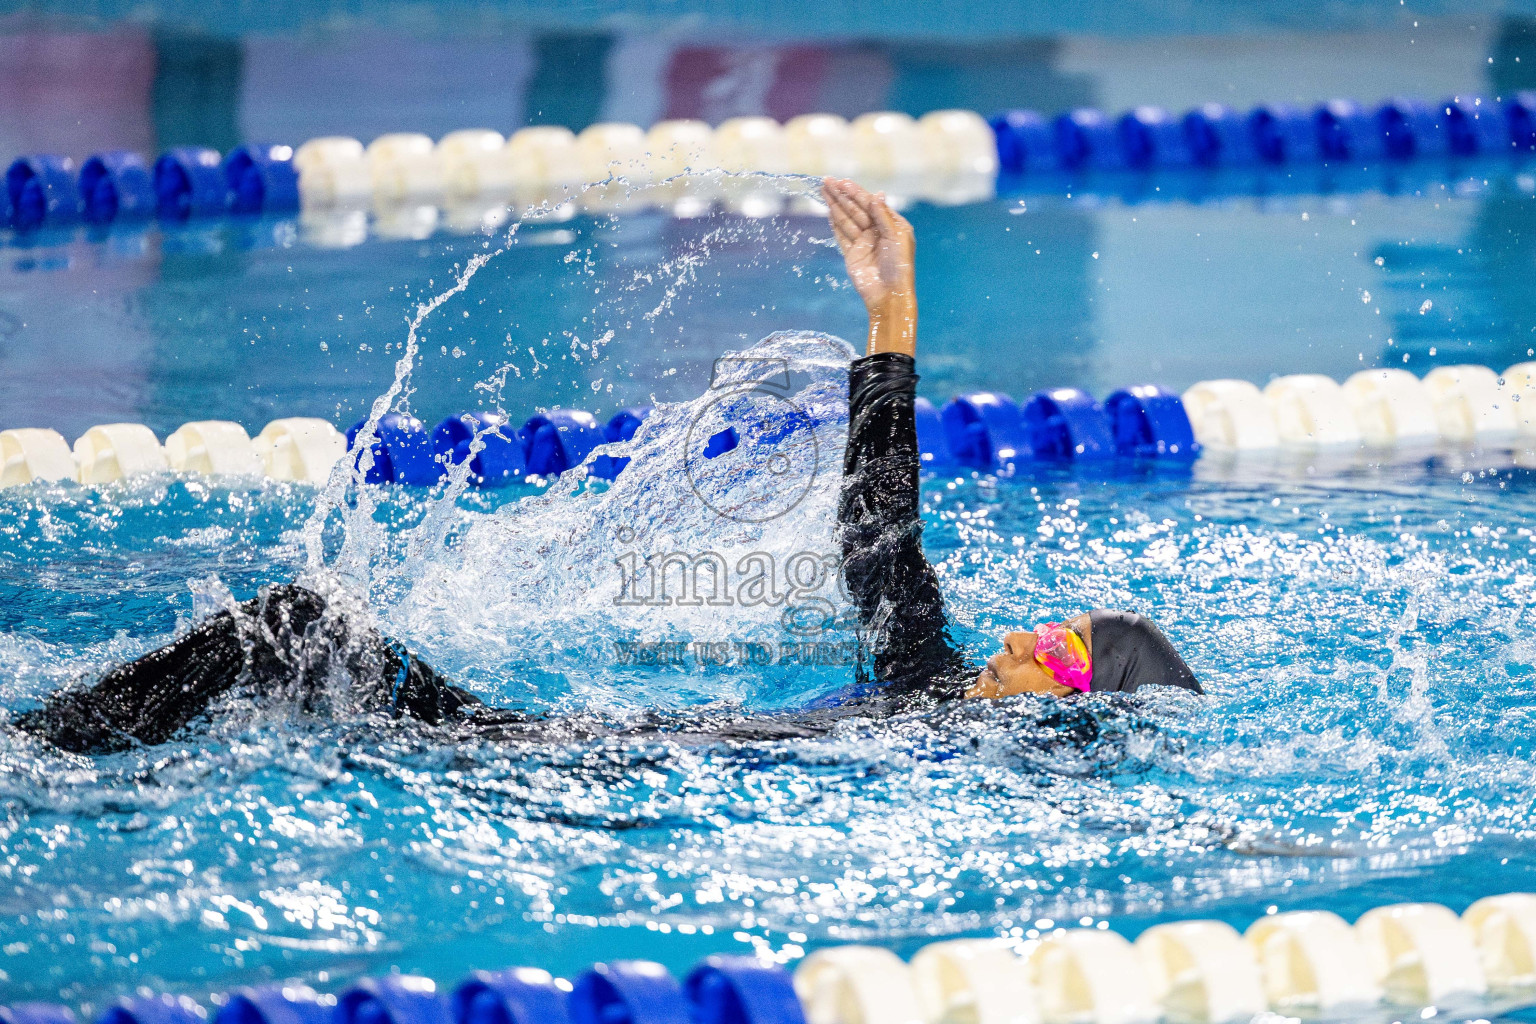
x: 878, y: 247
x: 879, y: 515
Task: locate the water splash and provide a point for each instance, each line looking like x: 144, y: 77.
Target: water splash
x: 496, y: 597
x: 668, y: 552
x: 361, y: 536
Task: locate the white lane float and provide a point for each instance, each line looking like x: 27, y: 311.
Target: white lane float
x: 212, y: 448
x: 1520, y: 382
x: 33, y: 453
x: 300, y: 448
x: 333, y: 227
x: 679, y: 147
x: 958, y: 142
x: 1391, y: 407
x: 616, y: 151
x: 974, y: 981
x: 1422, y: 953
x: 1504, y: 928
x: 1201, y: 972
x: 404, y: 168
x: 407, y: 221
x: 475, y: 164
x: 819, y: 145
x: 333, y: 171
x: 679, y: 158
x: 118, y: 451
x: 1311, y: 962
x: 610, y: 150
x: 856, y: 985
x: 752, y: 145
x: 748, y: 147
x: 1086, y: 974
x: 475, y: 216
x: 960, y: 157
x: 1469, y: 402
x: 544, y: 167
x: 1311, y: 409
x: 889, y: 149
x: 1230, y: 414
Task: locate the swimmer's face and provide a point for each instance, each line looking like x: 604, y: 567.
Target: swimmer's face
x: 1014, y: 669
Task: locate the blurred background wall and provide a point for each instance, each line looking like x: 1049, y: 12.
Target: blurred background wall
x: 79, y: 77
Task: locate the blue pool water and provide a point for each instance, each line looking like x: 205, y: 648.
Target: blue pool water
x: 1364, y: 629
x: 1348, y: 754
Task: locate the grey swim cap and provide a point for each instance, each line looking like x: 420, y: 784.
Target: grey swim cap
x: 1129, y: 652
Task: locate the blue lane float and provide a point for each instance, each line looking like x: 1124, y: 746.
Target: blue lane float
x: 1283, y: 134
x: 621, y: 426
x: 931, y: 443
x: 1066, y: 424
x: 1411, y: 129
x: 720, y: 442
x: 1475, y: 126
x: 740, y: 990
x: 521, y: 995
x: 1520, y: 120
x: 116, y: 185
x: 402, y: 452
x: 1151, y: 137
x: 393, y: 999
x: 1085, y: 139
x: 1213, y: 135
x: 629, y: 992
x: 501, y: 460
x: 1025, y: 143
x: 189, y: 182
x: 42, y: 190
x: 260, y: 178
x: 290, y: 1004
x: 985, y: 430
x: 1149, y: 422
x: 559, y: 439
x: 161, y: 1009
x: 37, y: 1013
x: 1218, y: 136
x: 1346, y: 131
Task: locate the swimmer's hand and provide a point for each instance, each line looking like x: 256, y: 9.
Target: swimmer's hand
x: 878, y: 247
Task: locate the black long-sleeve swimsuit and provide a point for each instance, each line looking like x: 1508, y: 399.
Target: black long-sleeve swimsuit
x: 880, y: 522
x: 289, y: 641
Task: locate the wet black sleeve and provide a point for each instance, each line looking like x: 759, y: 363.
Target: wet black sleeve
x: 282, y: 643
x: 881, y: 529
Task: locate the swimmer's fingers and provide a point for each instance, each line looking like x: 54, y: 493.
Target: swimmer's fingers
x: 843, y: 213
x: 842, y: 207
x: 843, y: 226
x: 894, y: 226
x: 856, y: 202
x: 826, y: 192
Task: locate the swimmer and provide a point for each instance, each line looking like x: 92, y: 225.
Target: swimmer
x: 883, y: 564
x: 291, y: 642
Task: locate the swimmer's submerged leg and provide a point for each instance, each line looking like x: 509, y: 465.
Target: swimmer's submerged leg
x: 281, y: 642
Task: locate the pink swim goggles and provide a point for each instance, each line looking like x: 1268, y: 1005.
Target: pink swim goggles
x: 1061, y: 651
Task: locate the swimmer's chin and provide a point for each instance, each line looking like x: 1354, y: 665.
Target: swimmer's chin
x: 987, y: 686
